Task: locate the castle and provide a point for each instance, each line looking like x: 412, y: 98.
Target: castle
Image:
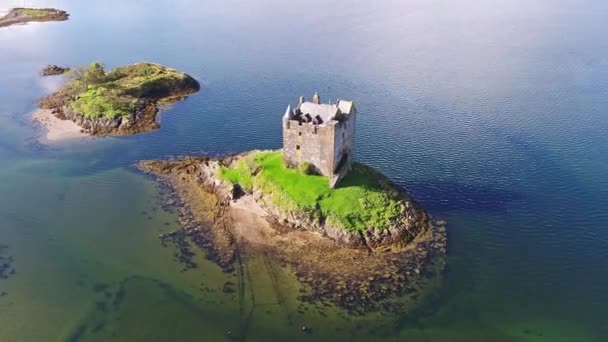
x: 321, y: 135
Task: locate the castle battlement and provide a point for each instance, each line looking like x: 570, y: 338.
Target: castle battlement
x: 320, y: 134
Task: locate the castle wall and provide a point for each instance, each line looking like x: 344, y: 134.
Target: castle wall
x: 344, y: 139
x: 305, y: 143
x: 327, y: 146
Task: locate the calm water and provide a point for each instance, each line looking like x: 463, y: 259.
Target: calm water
x: 492, y: 113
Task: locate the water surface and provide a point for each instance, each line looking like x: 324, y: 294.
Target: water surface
x: 492, y: 114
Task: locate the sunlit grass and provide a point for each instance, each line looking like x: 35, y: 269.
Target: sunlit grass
x: 97, y: 94
x: 361, y: 200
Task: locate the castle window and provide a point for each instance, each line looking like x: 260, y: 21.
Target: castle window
x: 300, y: 133
x: 297, y: 147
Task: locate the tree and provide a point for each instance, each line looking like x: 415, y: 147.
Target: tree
x: 88, y: 75
x: 95, y: 74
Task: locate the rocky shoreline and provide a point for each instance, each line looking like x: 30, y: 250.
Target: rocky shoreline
x: 143, y: 119
x: 360, y: 274
x: 22, y: 15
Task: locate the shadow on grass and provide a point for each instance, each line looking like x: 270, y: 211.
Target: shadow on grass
x: 364, y: 177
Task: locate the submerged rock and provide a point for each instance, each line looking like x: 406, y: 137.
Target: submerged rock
x: 6, y: 266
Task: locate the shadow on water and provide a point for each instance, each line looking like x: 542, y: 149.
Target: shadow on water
x: 452, y: 196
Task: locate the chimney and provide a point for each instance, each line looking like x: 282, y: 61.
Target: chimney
x: 302, y: 99
x: 316, y: 98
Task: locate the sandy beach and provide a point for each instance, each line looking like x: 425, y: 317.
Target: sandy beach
x: 54, y: 129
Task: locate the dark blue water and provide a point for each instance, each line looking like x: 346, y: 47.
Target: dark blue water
x: 492, y: 114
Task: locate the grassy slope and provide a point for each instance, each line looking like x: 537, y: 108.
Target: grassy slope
x: 116, y: 94
x: 362, y: 200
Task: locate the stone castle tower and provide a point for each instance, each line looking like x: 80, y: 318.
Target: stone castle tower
x: 320, y: 134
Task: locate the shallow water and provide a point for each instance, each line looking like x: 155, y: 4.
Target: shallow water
x: 491, y: 114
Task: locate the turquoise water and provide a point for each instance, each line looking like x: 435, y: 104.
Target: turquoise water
x: 492, y: 114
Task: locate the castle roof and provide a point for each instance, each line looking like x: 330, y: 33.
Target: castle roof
x: 345, y: 106
x: 326, y: 112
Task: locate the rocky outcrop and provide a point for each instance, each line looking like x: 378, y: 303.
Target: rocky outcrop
x: 24, y: 15
x: 53, y: 70
x: 142, y: 119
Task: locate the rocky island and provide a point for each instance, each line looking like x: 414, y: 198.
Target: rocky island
x: 119, y: 102
x: 352, y: 237
x: 25, y: 15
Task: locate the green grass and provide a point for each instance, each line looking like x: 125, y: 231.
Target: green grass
x: 35, y: 13
x: 97, y: 94
x: 101, y: 102
x: 241, y: 173
x: 144, y: 79
x: 362, y: 200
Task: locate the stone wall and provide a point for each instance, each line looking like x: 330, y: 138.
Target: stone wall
x: 344, y: 140
x: 323, y: 146
x: 303, y: 142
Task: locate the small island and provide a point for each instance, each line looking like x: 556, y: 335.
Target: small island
x: 25, y: 15
x: 122, y: 101
x: 352, y: 237
x: 53, y: 70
